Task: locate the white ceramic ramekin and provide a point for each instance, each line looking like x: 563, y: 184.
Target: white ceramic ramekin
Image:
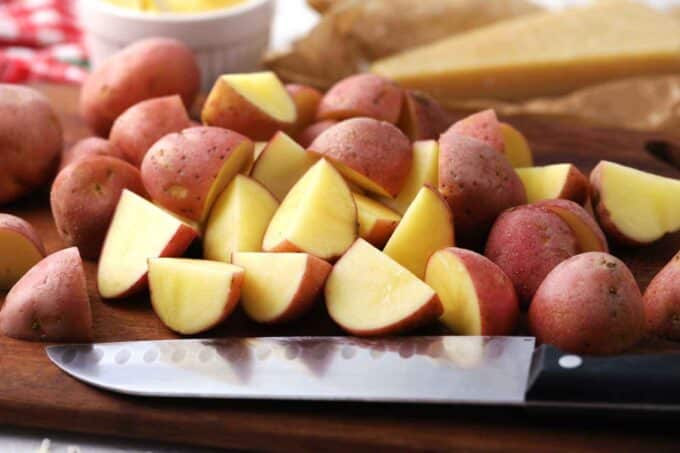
x: 229, y: 40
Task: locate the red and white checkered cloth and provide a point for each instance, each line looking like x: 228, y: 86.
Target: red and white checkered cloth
x: 40, y: 40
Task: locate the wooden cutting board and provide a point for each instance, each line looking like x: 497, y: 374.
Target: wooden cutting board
x: 33, y: 393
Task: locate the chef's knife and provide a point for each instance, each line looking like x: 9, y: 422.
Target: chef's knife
x: 444, y: 369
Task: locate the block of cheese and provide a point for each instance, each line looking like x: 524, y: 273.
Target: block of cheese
x: 546, y: 53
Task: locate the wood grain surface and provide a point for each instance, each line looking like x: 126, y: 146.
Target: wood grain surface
x: 33, y: 393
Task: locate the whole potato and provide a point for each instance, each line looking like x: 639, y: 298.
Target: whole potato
x: 50, y: 302
x: 145, y: 123
x: 90, y: 146
x: 662, y: 302
x: 478, y: 183
x: 588, y: 304
x: 146, y: 69
x: 84, y: 197
x: 483, y: 126
x: 30, y: 141
x: 527, y: 242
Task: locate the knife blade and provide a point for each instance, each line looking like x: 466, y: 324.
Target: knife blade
x: 445, y: 369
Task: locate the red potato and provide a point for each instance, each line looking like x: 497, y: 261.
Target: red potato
x: 84, y: 197
x: 527, y: 242
x: 478, y: 184
x: 146, y: 122
x: 146, y: 69
x: 309, y: 134
x: 589, y: 304
x: 50, y: 302
x: 20, y: 249
x: 483, y: 126
x: 91, y: 146
x: 362, y: 95
x: 306, y: 101
x: 373, y: 154
x: 589, y: 236
x: 185, y: 172
x: 30, y: 141
x: 422, y: 117
x: 662, y: 302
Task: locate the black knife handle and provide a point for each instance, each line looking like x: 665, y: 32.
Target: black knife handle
x: 561, y: 377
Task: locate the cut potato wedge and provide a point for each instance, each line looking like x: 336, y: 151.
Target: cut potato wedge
x: 192, y: 296
x: 376, y: 222
x: 318, y: 216
x: 554, y: 181
x: 589, y: 236
x: 20, y: 249
x: 280, y: 287
x: 369, y: 294
x: 426, y: 227
x: 139, y: 231
x: 281, y: 164
x: 425, y: 170
x: 255, y: 104
x: 238, y: 220
x: 635, y: 207
x: 517, y: 148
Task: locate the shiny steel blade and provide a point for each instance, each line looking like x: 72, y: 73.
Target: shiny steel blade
x: 476, y: 370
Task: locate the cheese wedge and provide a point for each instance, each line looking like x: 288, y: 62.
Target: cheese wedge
x: 546, y: 53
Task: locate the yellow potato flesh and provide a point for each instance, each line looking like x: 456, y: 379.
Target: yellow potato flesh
x: 424, y: 170
x: 643, y: 206
x: 517, y: 148
x: 281, y: 165
x: 266, y: 92
x: 586, y: 239
x: 17, y: 255
x: 370, y: 213
x: 190, y: 296
x: 271, y: 282
x: 360, y: 180
x: 318, y: 215
x: 239, y: 159
x: 447, y: 275
x: 367, y: 290
x: 426, y: 227
x: 543, y: 183
x: 139, y: 231
x: 238, y: 220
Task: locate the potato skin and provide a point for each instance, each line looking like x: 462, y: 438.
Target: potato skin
x: 306, y: 101
x: 30, y: 141
x: 422, y: 117
x: 309, y: 134
x: 84, y: 197
x: 145, y: 123
x: 584, y: 216
x: 146, y: 69
x: 50, y: 302
x: 376, y: 149
x: 87, y: 147
x: 483, y: 126
x: 589, y: 304
x: 527, y: 242
x: 179, y: 169
x: 14, y: 223
x: 577, y: 188
x: 362, y: 95
x: 662, y: 302
x: 478, y: 183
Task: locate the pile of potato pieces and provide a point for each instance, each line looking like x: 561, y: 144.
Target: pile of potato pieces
x: 305, y: 212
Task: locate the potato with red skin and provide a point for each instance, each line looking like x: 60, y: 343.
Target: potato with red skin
x: 662, y: 302
x: 422, y: 117
x: 30, y: 142
x: 84, y: 196
x: 20, y: 249
x: 483, y: 126
x: 527, y: 242
x: 588, y: 304
x: 146, y: 122
x: 184, y: 172
x: 373, y: 154
x: 362, y: 95
x: 478, y: 183
x: 309, y: 134
x: 87, y: 147
x: 50, y: 302
x: 306, y: 101
x: 589, y: 236
x: 146, y: 69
